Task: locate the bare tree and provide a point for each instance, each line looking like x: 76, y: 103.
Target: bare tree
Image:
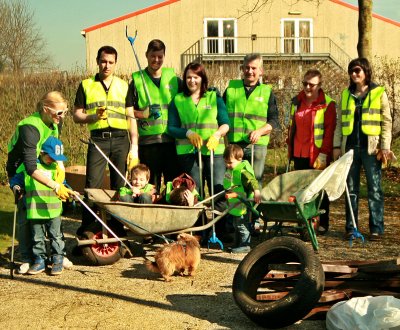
x: 364, y: 45
x: 22, y: 46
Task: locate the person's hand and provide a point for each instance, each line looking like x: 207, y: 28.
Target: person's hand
x: 60, y: 174
x: 135, y: 191
x: 195, y: 139
x: 133, y: 158
x: 320, y: 162
x: 213, y: 142
x: 385, y: 155
x: 101, y: 113
x: 63, y: 192
x: 155, y: 111
x: 257, y: 196
x: 18, y: 192
x: 189, y: 197
x: 254, y: 136
x: 337, y: 152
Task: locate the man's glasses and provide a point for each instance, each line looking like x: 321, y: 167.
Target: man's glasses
x: 57, y: 112
x: 306, y: 84
x: 355, y: 70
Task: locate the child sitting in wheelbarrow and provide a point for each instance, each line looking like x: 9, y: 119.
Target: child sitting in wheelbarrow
x: 181, y: 191
x: 142, y: 191
x: 240, y: 175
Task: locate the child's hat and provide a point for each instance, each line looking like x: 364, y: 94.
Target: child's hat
x: 54, y: 148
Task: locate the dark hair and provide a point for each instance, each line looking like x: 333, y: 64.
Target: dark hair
x: 364, y: 64
x: 233, y: 150
x: 155, y: 45
x: 140, y: 169
x: 108, y: 50
x: 177, y: 196
x: 198, y: 69
x: 313, y: 73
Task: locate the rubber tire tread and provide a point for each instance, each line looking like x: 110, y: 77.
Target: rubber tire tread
x: 95, y: 259
x: 298, y: 302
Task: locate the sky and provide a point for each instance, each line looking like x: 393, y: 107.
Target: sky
x: 61, y: 22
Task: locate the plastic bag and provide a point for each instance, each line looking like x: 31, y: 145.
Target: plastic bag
x: 365, y: 313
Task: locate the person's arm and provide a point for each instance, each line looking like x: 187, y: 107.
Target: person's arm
x: 174, y: 122
x: 29, y: 138
x: 250, y: 184
x: 329, y: 129
x: 386, y: 133
x: 79, y: 114
x: 337, y: 135
x: 222, y: 117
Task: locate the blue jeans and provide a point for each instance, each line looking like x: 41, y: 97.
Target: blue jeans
x: 24, y: 232
x: 242, y: 227
x: 260, y: 152
x: 53, y: 229
x: 373, y: 174
x: 189, y: 164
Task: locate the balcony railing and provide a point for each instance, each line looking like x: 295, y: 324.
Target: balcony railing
x: 207, y: 49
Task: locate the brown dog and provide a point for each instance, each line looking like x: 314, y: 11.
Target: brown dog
x: 177, y: 257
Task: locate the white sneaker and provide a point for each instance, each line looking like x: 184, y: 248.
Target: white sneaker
x: 67, y: 264
x: 23, y: 269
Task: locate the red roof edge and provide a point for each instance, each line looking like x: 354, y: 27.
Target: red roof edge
x: 382, y: 18
x: 121, y: 18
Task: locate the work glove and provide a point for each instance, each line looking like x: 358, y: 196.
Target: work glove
x: 320, y: 162
x: 18, y: 192
x: 195, y: 139
x: 101, y: 113
x: 133, y: 158
x: 155, y: 111
x: 62, y: 191
x: 60, y: 174
x: 213, y: 142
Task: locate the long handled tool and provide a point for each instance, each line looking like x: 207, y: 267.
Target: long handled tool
x: 252, y: 155
x: 12, y: 265
x: 109, y: 161
x: 356, y: 233
x: 213, y: 239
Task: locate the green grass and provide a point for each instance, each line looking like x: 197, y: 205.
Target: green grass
x: 6, y: 217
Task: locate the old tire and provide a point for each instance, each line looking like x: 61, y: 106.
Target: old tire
x: 101, y: 254
x: 255, y: 275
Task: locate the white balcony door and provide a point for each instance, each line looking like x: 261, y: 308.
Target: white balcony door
x: 296, y: 35
x: 220, y: 35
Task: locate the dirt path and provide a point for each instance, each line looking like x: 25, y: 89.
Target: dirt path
x: 126, y: 296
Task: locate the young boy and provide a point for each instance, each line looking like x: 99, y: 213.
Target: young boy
x: 181, y: 191
x: 240, y: 175
x: 143, y: 192
x: 44, y: 209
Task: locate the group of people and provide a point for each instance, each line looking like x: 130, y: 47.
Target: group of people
x: 188, y: 127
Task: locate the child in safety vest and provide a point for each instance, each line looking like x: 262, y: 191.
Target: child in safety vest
x: 44, y: 208
x: 181, y: 191
x: 240, y: 175
x: 142, y: 191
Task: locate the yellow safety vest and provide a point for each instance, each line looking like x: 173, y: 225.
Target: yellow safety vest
x: 114, y: 101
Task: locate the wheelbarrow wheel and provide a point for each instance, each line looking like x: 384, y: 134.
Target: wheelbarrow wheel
x: 278, y: 282
x: 101, y: 254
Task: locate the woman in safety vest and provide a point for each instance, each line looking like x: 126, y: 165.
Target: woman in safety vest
x: 311, y: 128
x: 364, y: 125
x: 198, y: 119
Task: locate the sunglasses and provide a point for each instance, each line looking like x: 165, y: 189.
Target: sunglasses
x: 306, y: 84
x: 356, y: 70
x: 57, y: 112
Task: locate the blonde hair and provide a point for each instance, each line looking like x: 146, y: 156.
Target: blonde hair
x: 140, y: 169
x: 50, y: 99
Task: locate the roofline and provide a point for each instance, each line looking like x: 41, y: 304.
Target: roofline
x: 169, y: 2
x: 385, y: 19
x: 121, y: 18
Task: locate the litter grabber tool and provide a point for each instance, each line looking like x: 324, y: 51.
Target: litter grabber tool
x: 245, y: 201
x: 213, y: 239
x: 17, y: 195
x: 252, y: 156
x: 356, y: 234
x: 154, y: 108
x: 108, y: 161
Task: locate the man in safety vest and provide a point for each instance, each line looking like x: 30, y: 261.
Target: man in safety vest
x: 157, y: 148
x: 101, y: 104
x: 253, y: 113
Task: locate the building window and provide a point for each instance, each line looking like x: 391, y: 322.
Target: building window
x: 220, y: 35
x: 296, y: 35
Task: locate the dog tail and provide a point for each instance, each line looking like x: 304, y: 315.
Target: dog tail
x: 152, y: 266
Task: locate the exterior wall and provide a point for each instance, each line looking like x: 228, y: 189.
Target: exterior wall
x: 180, y: 24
